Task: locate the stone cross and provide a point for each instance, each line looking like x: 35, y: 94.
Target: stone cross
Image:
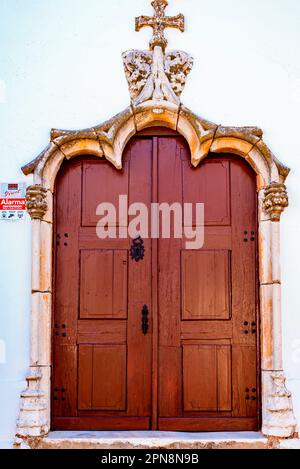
x: 159, y: 22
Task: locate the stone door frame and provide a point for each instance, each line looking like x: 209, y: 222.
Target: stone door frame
x: 108, y: 140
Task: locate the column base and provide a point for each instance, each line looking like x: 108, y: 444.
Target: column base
x: 33, y: 421
x: 278, y: 417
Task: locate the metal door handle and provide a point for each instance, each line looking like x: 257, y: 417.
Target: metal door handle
x: 145, y: 319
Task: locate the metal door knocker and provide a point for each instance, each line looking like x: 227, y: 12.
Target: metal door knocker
x: 137, y: 250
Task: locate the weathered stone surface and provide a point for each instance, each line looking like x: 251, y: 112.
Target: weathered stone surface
x: 50, y: 168
x: 153, y: 440
x: 265, y: 252
x: 40, y: 340
x: 82, y: 146
x: 156, y: 76
x: 45, y: 257
x: 270, y: 157
x: 32, y: 421
x: 159, y: 22
x: 250, y: 134
x: 48, y: 217
x: 36, y: 202
x: 260, y: 166
x: 276, y: 200
x: 278, y: 418
x: 263, y: 216
x: 231, y: 145
x: 266, y: 320
x: 159, y: 114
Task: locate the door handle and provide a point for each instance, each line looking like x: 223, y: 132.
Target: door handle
x: 145, y: 319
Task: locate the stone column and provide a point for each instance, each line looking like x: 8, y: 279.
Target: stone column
x: 278, y: 418
x: 34, y: 417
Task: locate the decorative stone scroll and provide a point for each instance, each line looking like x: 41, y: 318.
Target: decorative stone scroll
x: 276, y: 200
x: 36, y: 201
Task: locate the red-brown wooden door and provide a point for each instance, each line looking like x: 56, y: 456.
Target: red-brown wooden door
x: 197, y: 367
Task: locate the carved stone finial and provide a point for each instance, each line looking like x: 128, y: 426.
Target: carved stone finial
x: 36, y: 201
x: 276, y: 200
x: 159, y: 22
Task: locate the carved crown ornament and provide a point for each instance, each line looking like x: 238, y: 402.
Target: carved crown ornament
x: 156, y: 79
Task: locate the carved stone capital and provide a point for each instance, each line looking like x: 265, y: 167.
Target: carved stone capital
x: 32, y: 420
x: 276, y: 200
x: 36, y: 201
x: 278, y: 417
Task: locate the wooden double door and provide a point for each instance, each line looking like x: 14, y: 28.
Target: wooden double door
x: 196, y: 368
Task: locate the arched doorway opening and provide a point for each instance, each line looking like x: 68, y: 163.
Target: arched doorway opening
x: 169, y: 342
x: 108, y: 141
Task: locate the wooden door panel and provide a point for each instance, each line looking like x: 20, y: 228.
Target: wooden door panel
x: 209, y: 184
x: 199, y: 378
x: 102, y: 332
x: 201, y: 348
x: 102, y: 182
x: 102, y: 377
x: 244, y: 267
x: 66, y: 255
x: 111, y: 358
x: 206, y: 285
x: 170, y: 381
x: 64, y: 384
x: 245, y: 389
x: 218, y: 291
x: 103, y: 284
x: 197, y: 330
x: 208, y: 424
x: 206, y: 377
x: 139, y: 345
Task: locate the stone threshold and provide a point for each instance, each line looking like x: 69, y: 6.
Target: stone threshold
x: 154, y: 440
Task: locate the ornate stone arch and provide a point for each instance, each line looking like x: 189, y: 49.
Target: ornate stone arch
x: 155, y: 102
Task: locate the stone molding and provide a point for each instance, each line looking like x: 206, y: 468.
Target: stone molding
x: 36, y: 202
x: 276, y: 200
x: 109, y: 139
